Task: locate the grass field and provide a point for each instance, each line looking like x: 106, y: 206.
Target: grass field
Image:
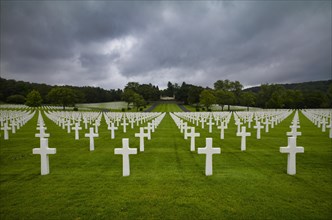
x: 167, y: 181
x: 167, y: 108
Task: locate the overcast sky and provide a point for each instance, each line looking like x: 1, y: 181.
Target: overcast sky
x: 108, y: 44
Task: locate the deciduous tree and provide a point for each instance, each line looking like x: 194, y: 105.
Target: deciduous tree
x: 34, y: 99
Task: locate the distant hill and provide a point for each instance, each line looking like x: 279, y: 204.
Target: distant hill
x: 321, y: 86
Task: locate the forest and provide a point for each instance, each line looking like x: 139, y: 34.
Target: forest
x: 316, y: 94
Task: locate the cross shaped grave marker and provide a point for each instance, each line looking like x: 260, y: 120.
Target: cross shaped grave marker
x: 153, y: 125
x: 210, y: 123
x: 77, y: 128
x: 258, y: 126
x: 291, y: 150
x: 330, y: 127
x: 323, y: 122
x: 91, y: 135
x: 44, y: 151
x: 273, y: 120
x: 238, y: 123
x: 96, y: 124
x: 267, y: 122
x: 13, y: 123
x: 131, y: 121
x: 149, y: 128
x: 68, y: 126
x: 203, y: 122
x: 294, y: 132
x: 141, y: 136
x: 208, y: 150
x: 5, y: 130
x: 112, y: 128
x: 243, y: 135
x: 249, y: 121
x: 124, y: 124
x: 125, y: 151
x: 222, y: 128
x: 42, y: 133
x: 85, y: 121
x: 192, y: 136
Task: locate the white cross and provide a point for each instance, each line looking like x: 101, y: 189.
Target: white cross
x: 85, y: 121
x: 153, y: 125
x: 91, y: 135
x: 273, y: 120
x: 5, y: 130
x: 77, y: 128
x: 125, y: 151
x: 183, y: 126
x: 293, y: 132
x: 192, y: 136
x: 203, y: 122
x: 258, y: 126
x: 208, y: 150
x: 112, y: 128
x: 323, y: 125
x: 291, y: 150
x: 330, y: 127
x: 149, y: 128
x: 132, y: 121
x: 42, y: 133
x: 141, y: 136
x: 249, y: 121
x: 222, y: 128
x: 267, y: 122
x: 44, y: 151
x: 243, y: 135
x: 13, y: 123
x: 96, y: 124
x: 210, y: 123
x: 68, y: 126
x: 124, y: 124
x: 238, y: 123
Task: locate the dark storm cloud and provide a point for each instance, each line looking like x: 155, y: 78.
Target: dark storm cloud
x: 110, y: 43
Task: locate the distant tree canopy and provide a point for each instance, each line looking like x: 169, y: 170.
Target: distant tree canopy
x: 62, y: 96
x: 16, y: 99
x: 34, y: 99
x: 298, y: 95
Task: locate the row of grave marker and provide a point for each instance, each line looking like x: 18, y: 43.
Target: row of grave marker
x: 44, y: 150
x: 291, y: 149
x: 223, y: 119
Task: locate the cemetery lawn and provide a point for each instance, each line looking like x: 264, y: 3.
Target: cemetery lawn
x: 167, y: 181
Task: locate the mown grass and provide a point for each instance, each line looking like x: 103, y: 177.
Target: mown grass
x: 167, y: 181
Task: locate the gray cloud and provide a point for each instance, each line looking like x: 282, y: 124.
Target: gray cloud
x: 108, y: 44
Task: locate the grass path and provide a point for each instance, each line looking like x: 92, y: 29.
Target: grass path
x: 167, y: 180
x: 165, y: 107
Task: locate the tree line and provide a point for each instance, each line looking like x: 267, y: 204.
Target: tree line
x: 224, y: 93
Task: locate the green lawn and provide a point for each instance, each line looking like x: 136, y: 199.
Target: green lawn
x: 167, y: 181
x: 164, y: 107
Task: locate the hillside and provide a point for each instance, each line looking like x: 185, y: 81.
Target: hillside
x: 321, y: 86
